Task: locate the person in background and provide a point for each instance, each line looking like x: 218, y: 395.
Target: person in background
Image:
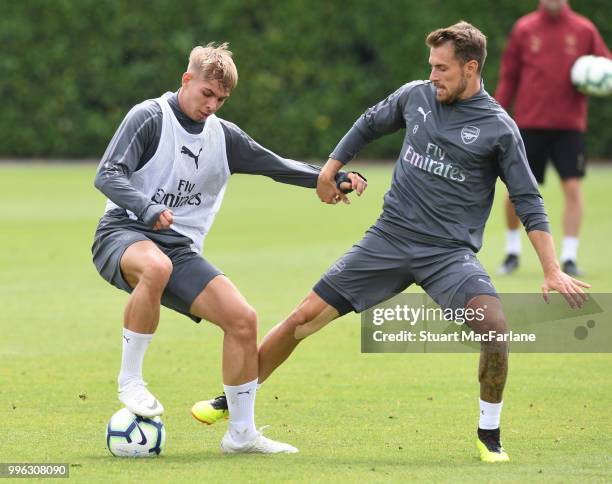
x: 550, y: 113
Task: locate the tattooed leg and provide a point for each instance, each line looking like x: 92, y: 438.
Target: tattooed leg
x: 492, y: 373
x: 493, y: 366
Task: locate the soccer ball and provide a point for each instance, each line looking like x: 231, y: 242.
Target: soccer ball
x: 129, y: 435
x: 592, y: 75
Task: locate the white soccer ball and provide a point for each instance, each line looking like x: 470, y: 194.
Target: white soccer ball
x: 592, y: 75
x: 129, y: 435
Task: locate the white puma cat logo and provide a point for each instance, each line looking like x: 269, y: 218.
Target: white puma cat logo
x: 422, y: 111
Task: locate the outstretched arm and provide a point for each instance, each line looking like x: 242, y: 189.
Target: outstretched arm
x: 247, y: 156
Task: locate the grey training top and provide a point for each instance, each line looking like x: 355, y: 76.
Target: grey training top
x: 136, y: 141
x: 444, y: 179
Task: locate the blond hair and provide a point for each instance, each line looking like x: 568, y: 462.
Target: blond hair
x: 214, y: 63
x: 469, y: 42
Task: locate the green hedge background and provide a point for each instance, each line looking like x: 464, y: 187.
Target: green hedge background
x: 71, y: 69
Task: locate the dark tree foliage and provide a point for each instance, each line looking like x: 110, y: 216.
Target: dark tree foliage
x: 70, y: 70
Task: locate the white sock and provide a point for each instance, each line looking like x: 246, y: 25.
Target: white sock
x: 490, y: 414
x: 569, y: 250
x: 241, y: 406
x: 513, y: 242
x: 134, y: 348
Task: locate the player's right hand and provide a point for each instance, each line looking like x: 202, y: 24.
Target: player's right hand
x: 164, y: 221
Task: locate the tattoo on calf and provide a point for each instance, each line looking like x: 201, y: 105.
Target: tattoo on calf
x: 492, y: 373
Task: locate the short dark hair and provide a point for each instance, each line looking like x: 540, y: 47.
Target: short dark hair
x: 469, y: 42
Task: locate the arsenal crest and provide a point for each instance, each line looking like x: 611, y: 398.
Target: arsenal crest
x: 469, y: 134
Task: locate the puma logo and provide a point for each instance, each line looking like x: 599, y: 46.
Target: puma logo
x: 187, y: 151
x: 422, y: 111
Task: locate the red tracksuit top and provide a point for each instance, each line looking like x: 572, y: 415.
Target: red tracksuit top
x: 535, y: 69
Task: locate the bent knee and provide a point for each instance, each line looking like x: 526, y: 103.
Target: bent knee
x: 494, y: 328
x: 572, y: 187
x: 495, y: 323
x: 296, y: 319
x: 152, y: 269
x: 302, y: 325
x: 157, y: 270
x: 310, y: 316
x: 243, y: 324
x: 489, y: 314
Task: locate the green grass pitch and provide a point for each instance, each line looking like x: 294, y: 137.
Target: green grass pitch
x: 355, y: 417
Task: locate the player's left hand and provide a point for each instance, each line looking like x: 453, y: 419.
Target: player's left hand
x: 164, y: 221
x: 327, y: 190
x: 567, y: 286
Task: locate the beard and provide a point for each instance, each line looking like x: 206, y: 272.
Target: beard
x: 456, y: 94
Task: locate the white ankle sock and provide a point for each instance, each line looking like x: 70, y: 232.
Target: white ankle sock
x: 513, y: 242
x: 490, y: 414
x: 569, y: 250
x: 241, y: 406
x: 134, y: 348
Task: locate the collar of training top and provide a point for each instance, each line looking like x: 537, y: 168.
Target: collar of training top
x: 546, y: 15
x: 180, y: 115
x: 479, y: 95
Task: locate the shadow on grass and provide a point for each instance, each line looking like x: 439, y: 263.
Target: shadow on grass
x: 206, y: 456
x: 328, y: 461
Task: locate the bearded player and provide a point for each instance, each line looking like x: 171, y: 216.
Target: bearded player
x: 457, y: 141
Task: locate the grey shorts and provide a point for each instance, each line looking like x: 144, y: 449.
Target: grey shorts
x: 382, y: 265
x: 190, y: 272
